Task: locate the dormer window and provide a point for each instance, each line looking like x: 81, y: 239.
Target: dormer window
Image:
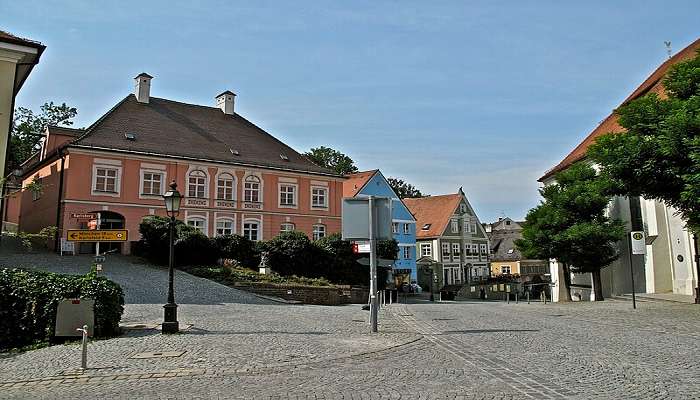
x: 234, y: 152
x: 426, y: 227
x: 284, y: 157
x: 130, y: 136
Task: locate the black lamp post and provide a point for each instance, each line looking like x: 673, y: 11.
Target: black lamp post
x: 172, y: 206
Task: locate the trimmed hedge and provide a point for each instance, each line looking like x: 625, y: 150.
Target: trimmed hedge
x: 29, y: 300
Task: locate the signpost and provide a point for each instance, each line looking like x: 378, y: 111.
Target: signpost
x: 107, y: 235
x: 368, y: 218
x: 83, y: 216
x: 637, y: 247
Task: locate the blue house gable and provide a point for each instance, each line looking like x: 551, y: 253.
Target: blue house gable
x: 373, y: 183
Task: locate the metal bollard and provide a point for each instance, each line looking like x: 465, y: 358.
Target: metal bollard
x: 507, y: 298
x: 83, y: 361
x: 391, y: 297
x: 516, y: 297
x: 528, y: 297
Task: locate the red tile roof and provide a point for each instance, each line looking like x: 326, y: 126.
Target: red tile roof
x: 10, y: 38
x: 653, y: 84
x: 355, y: 182
x: 433, y: 210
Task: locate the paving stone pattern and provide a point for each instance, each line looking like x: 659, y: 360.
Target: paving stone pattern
x: 241, y: 346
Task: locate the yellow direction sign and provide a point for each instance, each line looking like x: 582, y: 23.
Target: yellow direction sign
x: 107, y: 235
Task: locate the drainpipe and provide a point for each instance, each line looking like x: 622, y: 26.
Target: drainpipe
x: 58, y: 201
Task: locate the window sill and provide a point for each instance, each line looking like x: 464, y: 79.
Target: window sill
x: 110, y: 194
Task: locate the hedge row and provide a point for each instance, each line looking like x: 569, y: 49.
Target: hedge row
x: 29, y: 300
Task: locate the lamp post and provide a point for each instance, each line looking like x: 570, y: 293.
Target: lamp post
x: 172, y: 200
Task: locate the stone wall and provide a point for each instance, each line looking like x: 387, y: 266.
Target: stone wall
x: 327, y: 296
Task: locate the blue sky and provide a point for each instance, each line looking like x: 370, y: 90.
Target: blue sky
x: 481, y: 94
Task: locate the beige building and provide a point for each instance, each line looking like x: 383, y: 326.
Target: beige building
x: 505, y: 256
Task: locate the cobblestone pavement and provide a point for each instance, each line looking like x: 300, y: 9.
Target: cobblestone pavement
x: 240, y: 346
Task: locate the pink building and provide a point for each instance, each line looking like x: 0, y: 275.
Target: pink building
x: 236, y: 178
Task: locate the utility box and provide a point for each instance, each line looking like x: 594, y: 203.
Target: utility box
x: 73, y: 314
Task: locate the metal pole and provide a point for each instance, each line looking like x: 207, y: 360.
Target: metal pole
x: 83, y: 359
x: 170, y: 323
x: 97, y: 245
x: 372, y: 269
x: 528, y: 296
x: 634, y: 296
x: 697, y: 269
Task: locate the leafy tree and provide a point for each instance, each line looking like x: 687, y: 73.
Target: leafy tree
x: 571, y: 226
x: 404, y: 189
x: 657, y: 155
x: 28, y: 130
x: 331, y: 159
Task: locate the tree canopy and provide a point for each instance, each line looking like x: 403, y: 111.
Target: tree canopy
x: 657, y: 156
x: 28, y: 130
x: 571, y: 225
x: 331, y: 159
x: 404, y: 189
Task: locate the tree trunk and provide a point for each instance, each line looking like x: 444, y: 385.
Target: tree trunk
x: 567, y: 283
x: 597, y: 286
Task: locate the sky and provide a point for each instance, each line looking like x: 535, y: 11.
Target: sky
x: 484, y: 95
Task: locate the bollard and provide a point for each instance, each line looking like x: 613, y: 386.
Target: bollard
x: 516, y: 297
x: 507, y: 298
x: 528, y: 297
x: 83, y: 361
x: 391, y: 297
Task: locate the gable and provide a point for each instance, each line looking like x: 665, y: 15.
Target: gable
x: 378, y: 185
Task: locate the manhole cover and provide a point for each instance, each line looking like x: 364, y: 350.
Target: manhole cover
x: 157, y: 354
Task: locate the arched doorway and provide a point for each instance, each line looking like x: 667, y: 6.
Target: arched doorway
x: 108, y: 220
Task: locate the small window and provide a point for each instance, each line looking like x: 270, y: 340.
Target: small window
x: 251, y: 230
x: 106, y: 180
x: 507, y: 222
x: 505, y: 269
x: 197, y: 184
x: 455, y: 249
x: 152, y: 183
x: 463, y: 208
x: 426, y: 227
x: 224, y: 227
x: 510, y: 251
x: 319, y: 232
x: 198, y: 224
x: 284, y: 157
x: 224, y: 187
x: 406, y: 229
x: 251, y: 189
x: 287, y: 227
x: 426, y: 250
x: 130, y: 136
x: 467, y: 227
x: 288, y: 195
x: 445, y: 249
x: 319, y: 197
x: 395, y: 227
x: 455, y: 226
x: 406, y: 253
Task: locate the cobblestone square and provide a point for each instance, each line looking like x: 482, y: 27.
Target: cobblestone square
x: 242, y: 346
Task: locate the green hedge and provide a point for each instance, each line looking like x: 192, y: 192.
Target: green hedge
x: 29, y: 299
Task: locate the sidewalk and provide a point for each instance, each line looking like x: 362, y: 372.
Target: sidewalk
x: 673, y: 297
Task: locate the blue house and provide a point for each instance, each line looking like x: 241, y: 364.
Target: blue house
x: 373, y: 183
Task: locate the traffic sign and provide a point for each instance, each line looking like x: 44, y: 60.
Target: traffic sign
x: 638, y: 242
x: 361, y: 247
x: 83, y: 216
x: 106, y: 235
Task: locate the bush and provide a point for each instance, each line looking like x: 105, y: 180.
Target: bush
x: 155, y: 237
x: 292, y: 253
x: 29, y: 300
x: 195, y: 248
x: 238, y: 248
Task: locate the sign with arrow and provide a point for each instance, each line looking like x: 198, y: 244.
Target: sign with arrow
x: 106, y: 235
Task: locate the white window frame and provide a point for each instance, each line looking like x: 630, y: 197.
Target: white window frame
x: 225, y: 220
x: 323, y: 206
x: 285, y: 225
x: 117, y: 184
x: 406, y: 252
x: 295, y: 194
x: 316, y: 232
x: 483, y: 249
x: 258, y: 229
x: 227, y: 175
x: 456, y: 249
x: 426, y: 249
x: 191, y: 185
x: 445, y: 251
x: 394, y: 227
x: 198, y: 218
x: 259, y: 190
x: 467, y: 227
x: 142, y: 182
x: 474, y: 228
x: 504, y: 268
x: 454, y: 226
x: 406, y: 229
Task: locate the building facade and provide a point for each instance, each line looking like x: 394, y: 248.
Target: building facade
x: 235, y: 177
x: 505, y: 258
x: 373, y: 183
x: 449, y: 239
x: 668, y: 266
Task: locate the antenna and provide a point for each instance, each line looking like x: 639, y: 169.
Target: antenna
x: 668, y: 48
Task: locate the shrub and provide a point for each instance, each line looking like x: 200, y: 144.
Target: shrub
x: 155, y: 237
x: 238, y: 248
x: 195, y: 248
x: 29, y: 300
x: 292, y: 253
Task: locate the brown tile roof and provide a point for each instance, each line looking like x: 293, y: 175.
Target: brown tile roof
x: 64, y: 130
x: 170, y: 128
x: 355, y: 182
x: 653, y: 84
x: 433, y: 210
x: 10, y: 38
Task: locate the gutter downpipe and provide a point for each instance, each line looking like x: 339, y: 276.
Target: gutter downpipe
x: 58, y: 200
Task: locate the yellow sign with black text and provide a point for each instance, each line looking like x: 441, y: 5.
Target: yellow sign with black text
x: 107, y: 235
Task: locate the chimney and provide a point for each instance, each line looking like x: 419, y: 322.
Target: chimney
x: 225, y: 102
x: 142, y: 88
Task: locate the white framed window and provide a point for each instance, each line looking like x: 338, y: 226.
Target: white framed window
x: 426, y: 250
x: 463, y: 208
x: 406, y: 253
x: 251, y: 229
x: 106, y: 179
x: 287, y: 227
x: 395, y: 227
x: 467, y: 227
x: 319, y: 231
x: 152, y: 182
x: 197, y: 184
x: 483, y: 248
x: 288, y: 195
x: 319, y: 197
x: 198, y: 223
x: 455, y: 249
x: 505, y: 269
x: 473, y: 228
x: 225, y: 226
x: 475, y: 249
x: 455, y: 226
x: 225, y: 187
x: 406, y: 229
x: 251, y: 189
x: 446, y: 251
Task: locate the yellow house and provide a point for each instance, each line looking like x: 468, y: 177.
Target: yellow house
x: 505, y: 257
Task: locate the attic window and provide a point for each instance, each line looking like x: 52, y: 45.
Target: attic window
x: 130, y: 136
x: 234, y: 152
x: 426, y: 227
x: 284, y: 157
x: 510, y: 251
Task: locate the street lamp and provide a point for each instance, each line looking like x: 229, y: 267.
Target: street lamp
x: 172, y: 200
